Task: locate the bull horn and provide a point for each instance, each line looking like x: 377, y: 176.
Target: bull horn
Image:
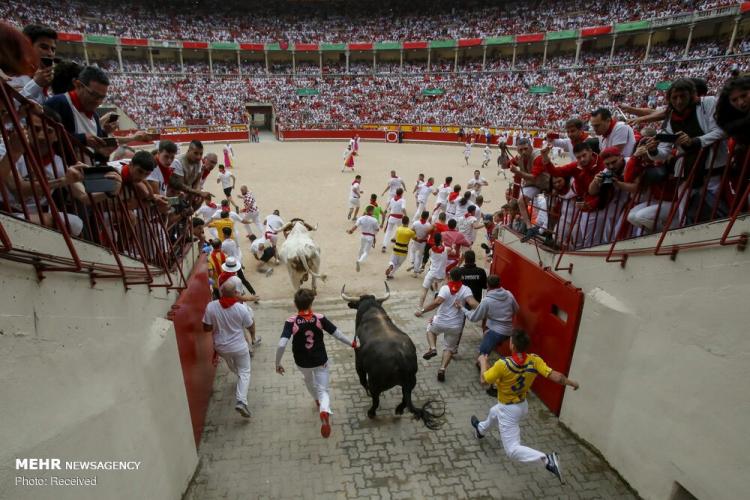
x: 346, y: 297
x: 387, y: 294
x: 286, y: 227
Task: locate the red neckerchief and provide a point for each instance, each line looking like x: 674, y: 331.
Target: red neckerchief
x: 397, y: 197
x: 611, y: 127
x: 454, y: 286
x: 468, y: 214
x: 227, y: 302
x: 394, y: 177
x: 453, y: 196
x: 519, y: 358
x: 205, y: 173
x: 374, y: 203
x: 306, y: 315
x: 430, y: 183
x: 422, y: 220
x: 681, y: 117
x: 166, y: 172
x: 211, y: 204
x: 354, y: 182
x: 582, y: 137
x: 77, y: 104
x: 439, y: 249
x: 446, y: 185
x: 225, y: 275
x: 125, y: 174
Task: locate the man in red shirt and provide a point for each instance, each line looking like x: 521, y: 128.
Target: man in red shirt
x: 590, y: 221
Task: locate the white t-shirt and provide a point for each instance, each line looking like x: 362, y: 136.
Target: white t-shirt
x: 438, y: 263
x: 232, y: 215
x: 231, y: 249
x: 367, y: 224
x: 229, y: 325
x: 23, y: 173
x: 622, y: 133
x: 256, y: 249
x: 354, y: 191
x: 205, y: 212
x: 443, y: 193
x: 158, y: 177
x: 466, y: 227
x: 467, y: 150
x: 393, y: 184
x: 274, y: 223
x: 447, y: 314
x: 396, y: 207
x: 421, y: 229
x: 226, y: 179
x: 487, y: 154
x: 476, y: 185
x: 423, y: 193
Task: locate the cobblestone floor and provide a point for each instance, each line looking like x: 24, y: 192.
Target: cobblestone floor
x: 279, y: 452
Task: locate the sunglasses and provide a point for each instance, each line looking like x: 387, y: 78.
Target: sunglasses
x: 95, y: 95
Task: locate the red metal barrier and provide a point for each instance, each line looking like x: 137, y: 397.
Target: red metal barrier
x: 550, y: 313
x: 332, y: 134
x: 195, y: 346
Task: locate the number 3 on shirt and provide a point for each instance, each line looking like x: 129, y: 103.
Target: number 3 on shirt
x: 309, y: 339
x: 519, y: 385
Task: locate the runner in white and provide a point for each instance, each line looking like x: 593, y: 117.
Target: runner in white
x: 475, y: 185
x: 422, y: 228
x: 233, y: 216
x: 487, y: 156
x: 354, y: 194
x: 394, y: 183
x: 442, y: 194
x: 227, y: 181
x: 423, y: 193
x: 467, y: 152
x: 419, y: 184
x: 250, y: 210
x: 369, y: 227
x: 273, y: 225
x: 395, y: 211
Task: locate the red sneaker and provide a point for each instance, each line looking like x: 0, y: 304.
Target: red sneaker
x: 325, y: 428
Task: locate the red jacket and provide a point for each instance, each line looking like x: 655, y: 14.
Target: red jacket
x: 583, y: 176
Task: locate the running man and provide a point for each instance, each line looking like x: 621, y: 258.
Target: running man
x: 487, y: 155
x: 513, y: 377
x: 395, y: 211
x: 250, y: 210
x: 467, y: 152
x: 354, y: 193
x: 404, y: 235
x: 442, y: 194
x: 349, y: 158
x: 475, y: 184
x: 227, y: 181
x: 377, y: 212
x: 423, y: 193
x: 305, y: 329
x: 263, y: 251
x: 449, y: 319
x: 273, y: 225
x: 369, y: 226
x: 436, y: 273
x: 422, y: 229
x: 394, y: 183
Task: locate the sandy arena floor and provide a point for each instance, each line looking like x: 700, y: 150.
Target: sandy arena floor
x: 304, y: 179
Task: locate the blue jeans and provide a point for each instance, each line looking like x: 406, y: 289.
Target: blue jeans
x: 490, y: 341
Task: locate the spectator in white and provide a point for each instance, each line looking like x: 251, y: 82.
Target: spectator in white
x: 263, y: 251
x: 44, y: 41
x: 186, y: 171
x: 692, y: 120
x: 159, y: 178
x: 228, y: 318
x: 612, y: 133
x: 607, y: 185
x: 449, y: 320
x: 576, y: 135
x: 249, y: 211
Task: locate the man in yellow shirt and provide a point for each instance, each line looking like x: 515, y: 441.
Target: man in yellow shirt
x: 404, y: 234
x: 513, y: 377
x: 221, y: 223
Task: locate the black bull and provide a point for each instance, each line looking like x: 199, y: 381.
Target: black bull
x: 386, y: 357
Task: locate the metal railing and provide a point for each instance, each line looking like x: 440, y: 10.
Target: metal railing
x: 564, y: 225
x: 39, y: 185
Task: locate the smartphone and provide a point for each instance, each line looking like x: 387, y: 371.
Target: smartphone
x: 173, y: 201
x: 94, y: 180
x: 110, y: 142
x: 113, y: 118
x: 663, y: 137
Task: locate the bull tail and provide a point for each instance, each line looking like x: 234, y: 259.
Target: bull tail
x: 431, y: 413
x: 303, y: 259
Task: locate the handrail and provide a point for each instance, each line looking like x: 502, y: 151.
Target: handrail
x: 123, y: 224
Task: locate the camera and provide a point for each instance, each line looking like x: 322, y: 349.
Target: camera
x: 607, y: 177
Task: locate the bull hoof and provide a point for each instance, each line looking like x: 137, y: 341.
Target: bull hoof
x: 371, y: 413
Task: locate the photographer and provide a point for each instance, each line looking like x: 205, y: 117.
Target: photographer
x: 607, y: 185
x: 44, y: 42
x: 690, y: 127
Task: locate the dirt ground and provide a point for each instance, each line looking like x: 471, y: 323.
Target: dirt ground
x: 304, y: 179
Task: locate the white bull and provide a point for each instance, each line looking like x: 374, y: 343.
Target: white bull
x: 300, y: 253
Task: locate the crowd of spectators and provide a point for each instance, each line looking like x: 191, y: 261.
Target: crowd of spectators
x: 366, y: 20
x: 501, y: 99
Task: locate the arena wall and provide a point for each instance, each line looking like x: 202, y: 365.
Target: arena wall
x: 90, y: 373
x: 661, y: 355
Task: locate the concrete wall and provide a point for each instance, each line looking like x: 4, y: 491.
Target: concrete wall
x: 662, y: 356
x: 89, y: 374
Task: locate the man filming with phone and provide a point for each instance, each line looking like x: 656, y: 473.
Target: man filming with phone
x: 44, y: 41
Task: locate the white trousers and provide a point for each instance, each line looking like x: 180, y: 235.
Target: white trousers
x: 390, y: 230
x: 316, y: 381
x: 396, y: 261
x: 421, y: 207
x: 365, y: 244
x: 253, y: 217
x: 644, y: 215
x: 417, y: 254
x: 239, y: 364
x: 508, y: 419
